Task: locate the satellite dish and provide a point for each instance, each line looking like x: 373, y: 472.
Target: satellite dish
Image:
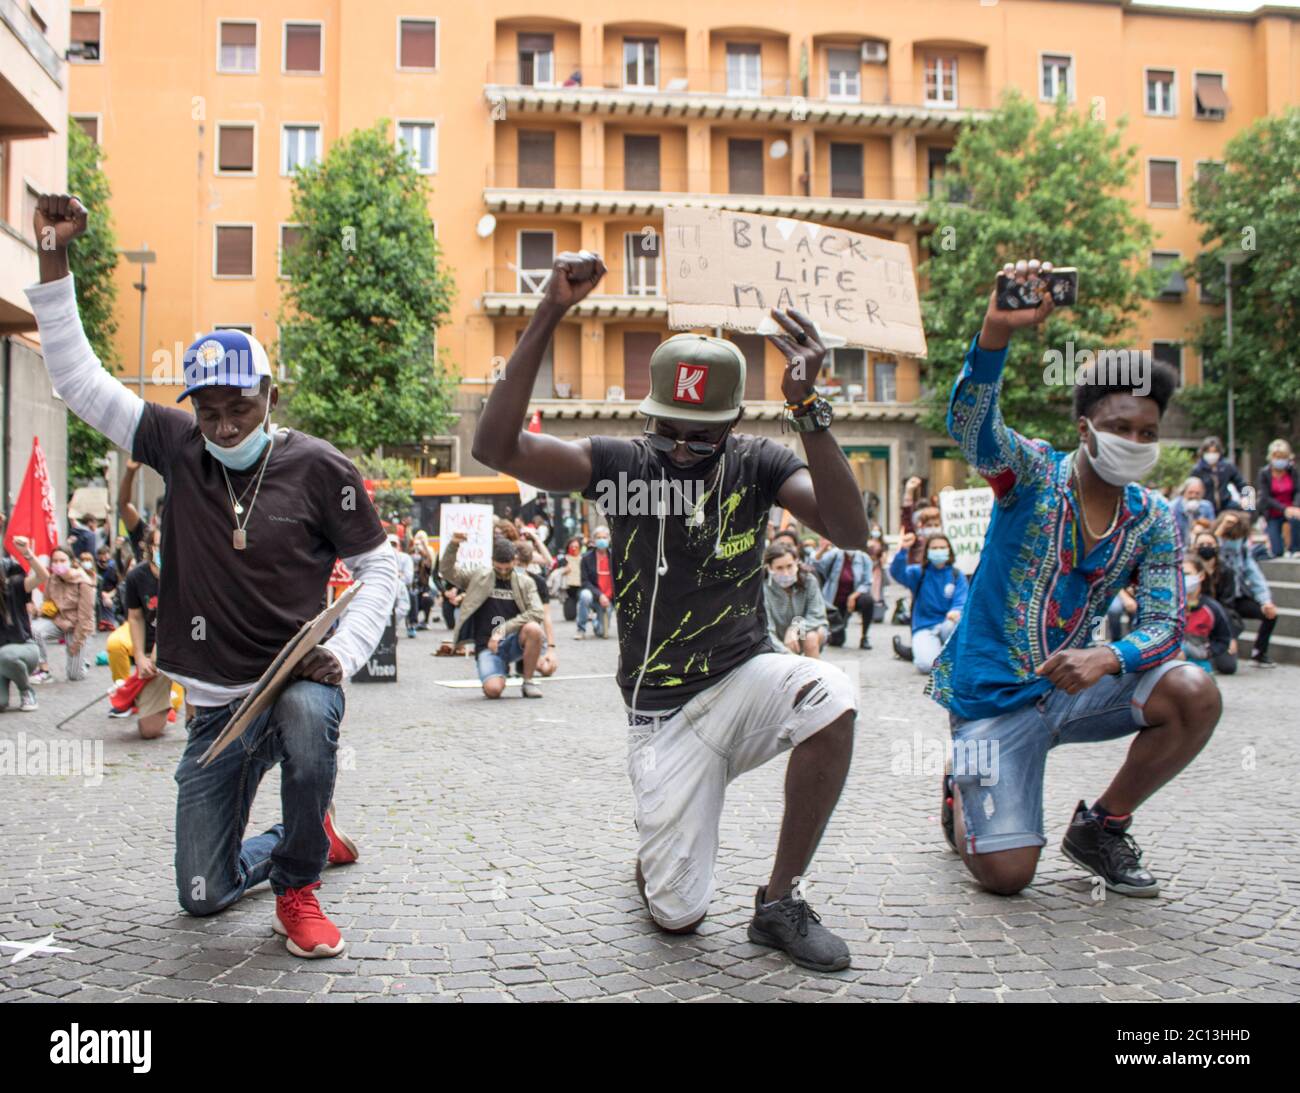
x: 778, y: 150
x: 487, y: 224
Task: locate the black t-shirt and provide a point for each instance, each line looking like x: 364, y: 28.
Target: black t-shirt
x: 542, y: 590
x: 15, y: 626
x: 140, y: 591
x: 709, y: 615
x: 499, y: 607
x: 224, y: 614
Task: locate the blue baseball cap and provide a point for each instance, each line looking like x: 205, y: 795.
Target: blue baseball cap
x: 224, y: 358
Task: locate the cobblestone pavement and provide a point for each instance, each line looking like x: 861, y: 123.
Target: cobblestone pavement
x: 498, y: 850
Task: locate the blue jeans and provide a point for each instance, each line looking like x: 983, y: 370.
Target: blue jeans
x: 1276, y: 546
x: 999, y: 761
x: 509, y: 651
x: 215, y: 864
x: 588, y: 604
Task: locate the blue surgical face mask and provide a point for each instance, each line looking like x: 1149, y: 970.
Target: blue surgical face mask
x: 938, y: 556
x: 1281, y: 464
x: 247, y: 452
x: 602, y: 544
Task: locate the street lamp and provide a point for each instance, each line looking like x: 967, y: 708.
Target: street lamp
x: 1232, y: 256
x: 144, y: 258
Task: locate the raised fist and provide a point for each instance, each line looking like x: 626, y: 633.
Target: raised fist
x: 573, y: 276
x: 58, y: 220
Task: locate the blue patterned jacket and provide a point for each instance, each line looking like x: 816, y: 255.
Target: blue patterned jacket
x: 1035, y: 591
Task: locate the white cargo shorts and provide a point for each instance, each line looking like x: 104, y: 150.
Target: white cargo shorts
x: 680, y: 765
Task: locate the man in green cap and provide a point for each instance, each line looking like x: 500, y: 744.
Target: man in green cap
x: 707, y: 695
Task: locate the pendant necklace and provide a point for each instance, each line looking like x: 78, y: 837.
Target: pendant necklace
x: 239, y: 540
x: 1083, y: 512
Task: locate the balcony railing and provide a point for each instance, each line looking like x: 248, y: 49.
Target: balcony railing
x: 667, y: 80
x: 27, y: 32
x: 532, y: 282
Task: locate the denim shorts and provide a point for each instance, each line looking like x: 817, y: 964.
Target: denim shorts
x: 999, y: 761
x: 498, y: 664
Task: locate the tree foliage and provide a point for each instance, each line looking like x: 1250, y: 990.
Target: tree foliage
x: 1252, y: 206
x: 92, y: 261
x: 366, y: 293
x: 392, y: 479
x: 1051, y: 187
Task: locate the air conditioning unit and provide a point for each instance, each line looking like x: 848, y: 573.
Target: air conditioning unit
x: 874, y: 53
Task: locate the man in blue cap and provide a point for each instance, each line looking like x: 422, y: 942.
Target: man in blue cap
x: 256, y: 517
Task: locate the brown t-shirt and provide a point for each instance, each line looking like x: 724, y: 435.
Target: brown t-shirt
x: 224, y: 614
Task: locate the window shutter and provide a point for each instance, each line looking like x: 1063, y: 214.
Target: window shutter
x: 236, y: 150
x: 846, y: 170
x: 536, y: 159
x: 640, y: 162
x: 1163, y: 182
x: 745, y: 166
x: 85, y: 26
x: 302, y: 48
x: 238, y: 34
x: 419, y: 44
x: 638, y: 347
x: 1210, y: 96
x: 235, y: 251
x: 536, y: 43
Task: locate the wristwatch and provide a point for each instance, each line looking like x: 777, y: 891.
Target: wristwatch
x: 811, y: 417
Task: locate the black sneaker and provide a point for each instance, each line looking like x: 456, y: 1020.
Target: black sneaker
x: 1108, y: 851
x: 865, y: 643
x: 946, y: 818
x: 1262, y: 660
x: 903, y: 652
x: 790, y: 924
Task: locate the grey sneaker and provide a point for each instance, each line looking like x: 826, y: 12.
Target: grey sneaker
x: 29, y: 701
x: 792, y: 925
x: 531, y: 690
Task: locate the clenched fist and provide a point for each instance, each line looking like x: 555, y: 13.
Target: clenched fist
x: 573, y: 276
x: 58, y: 220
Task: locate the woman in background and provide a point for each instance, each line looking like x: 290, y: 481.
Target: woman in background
x: 1276, y: 498
x: 68, y: 613
x: 938, y: 595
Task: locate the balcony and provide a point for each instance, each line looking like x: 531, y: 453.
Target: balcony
x: 31, y: 73
x: 706, y: 95
x: 18, y: 268
x: 511, y: 291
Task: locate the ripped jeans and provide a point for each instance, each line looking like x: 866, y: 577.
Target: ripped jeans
x: 681, y: 761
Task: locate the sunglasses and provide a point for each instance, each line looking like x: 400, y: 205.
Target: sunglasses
x: 666, y: 444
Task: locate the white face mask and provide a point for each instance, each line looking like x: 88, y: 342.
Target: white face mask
x: 785, y: 580
x: 1119, y: 461
x: 1191, y: 585
x: 1211, y: 458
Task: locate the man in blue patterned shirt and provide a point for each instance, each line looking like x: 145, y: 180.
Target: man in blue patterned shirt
x: 1023, y: 672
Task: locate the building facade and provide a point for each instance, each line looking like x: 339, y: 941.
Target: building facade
x: 542, y: 134
x: 33, y: 159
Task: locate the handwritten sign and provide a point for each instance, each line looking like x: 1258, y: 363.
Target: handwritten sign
x: 476, y: 522
x: 966, y: 515
x: 728, y: 268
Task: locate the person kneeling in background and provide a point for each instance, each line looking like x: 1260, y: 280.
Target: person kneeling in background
x: 1207, y: 637
x: 938, y: 595
x: 796, y: 611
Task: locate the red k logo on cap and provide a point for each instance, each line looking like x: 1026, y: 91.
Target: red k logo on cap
x: 691, y: 380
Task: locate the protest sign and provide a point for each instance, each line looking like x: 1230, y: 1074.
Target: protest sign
x: 476, y: 523
x: 966, y: 515
x: 728, y: 268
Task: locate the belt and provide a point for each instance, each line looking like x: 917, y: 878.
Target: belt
x: 634, y: 719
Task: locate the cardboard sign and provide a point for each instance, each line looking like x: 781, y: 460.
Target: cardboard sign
x: 728, y: 268
x: 381, y: 666
x: 966, y: 515
x: 476, y: 522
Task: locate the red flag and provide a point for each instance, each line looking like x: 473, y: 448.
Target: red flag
x: 535, y: 422
x: 33, y: 514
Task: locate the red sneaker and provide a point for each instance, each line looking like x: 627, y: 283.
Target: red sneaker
x: 343, y: 851
x: 303, y: 925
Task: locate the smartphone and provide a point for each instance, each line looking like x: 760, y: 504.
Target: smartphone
x: 1062, y: 283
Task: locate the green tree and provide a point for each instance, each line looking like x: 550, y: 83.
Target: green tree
x: 1251, y: 206
x: 1173, y: 468
x: 366, y: 293
x: 392, y: 478
x: 92, y: 262
x: 1050, y: 187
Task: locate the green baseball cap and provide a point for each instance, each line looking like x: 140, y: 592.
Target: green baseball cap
x: 695, y: 378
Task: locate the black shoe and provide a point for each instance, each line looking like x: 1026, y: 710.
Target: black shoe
x: 1262, y: 660
x: 865, y: 643
x: 1108, y: 851
x: 790, y: 924
x: 946, y: 816
x: 903, y: 652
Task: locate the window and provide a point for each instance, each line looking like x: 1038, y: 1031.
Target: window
x: 37, y: 17
x: 300, y: 147
x: 849, y: 374
x: 1057, y: 77
x: 1170, y: 353
x: 745, y: 166
x: 944, y: 183
x: 885, y: 377
x: 640, y: 162
x: 1211, y: 98
x: 638, y: 345
x: 290, y: 238
x: 1208, y: 174
x: 537, y: 60
x: 1160, y: 92
x: 1162, y: 183
x: 420, y: 138
x: 744, y: 68
x: 641, y: 63
x: 237, y: 47
x: 31, y: 195
x: 243, y: 328
x: 941, y: 81
x: 302, y: 48
x: 844, y: 75
x: 236, y: 149
x: 89, y: 125
x: 417, y: 44
x: 536, y: 159
x: 641, y: 264
x: 84, y: 45
x: 1175, y: 284
x: 846, y: 170
x: 536, y: 256
x: 232, y: 250
x: 754, y: 349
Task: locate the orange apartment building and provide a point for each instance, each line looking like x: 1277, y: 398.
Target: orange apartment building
x: 541, y: 134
